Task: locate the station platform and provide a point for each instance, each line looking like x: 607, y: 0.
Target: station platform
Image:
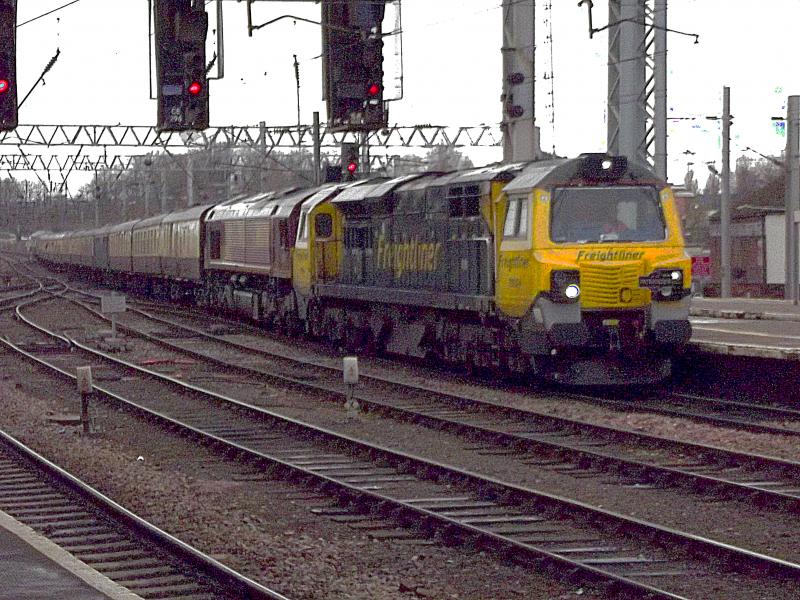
x: 755, y: 327
x: 34, y: 568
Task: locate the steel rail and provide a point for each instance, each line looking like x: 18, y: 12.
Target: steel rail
x: 516, y: 497
x: 748, y: 421
x: 710, y: 468
x: 57, y: 504
x: 780, y: 485
x: 750, y: 417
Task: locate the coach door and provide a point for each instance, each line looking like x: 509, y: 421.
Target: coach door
x: 101, y: 251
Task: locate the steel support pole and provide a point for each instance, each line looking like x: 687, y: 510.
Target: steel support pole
x: 627, y: 64
x: 96, y: 200
x: 725, y: 201
x: 364, y: 145
x: 220, y: 43
x: 148, y: 184
x: 163, y: 190
x: 660, y: 88
x: 317, y: 151
x: 520, y: 134
x: 792, y: 196
x: 262, y: 143
x: 189, y: 180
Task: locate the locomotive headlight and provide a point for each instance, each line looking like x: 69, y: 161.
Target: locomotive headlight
x: 565, y: 285
x: 572, y: 291
x: 667, y: 284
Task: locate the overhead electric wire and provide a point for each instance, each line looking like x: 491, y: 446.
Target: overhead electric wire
x: 50, y: 12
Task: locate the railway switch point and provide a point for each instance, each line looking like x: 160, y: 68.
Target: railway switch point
x: 108, y: 341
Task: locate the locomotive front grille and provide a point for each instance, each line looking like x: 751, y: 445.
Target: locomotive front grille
x: 603, y: 285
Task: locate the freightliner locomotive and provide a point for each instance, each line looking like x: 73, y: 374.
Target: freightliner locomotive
x: 570, y: 269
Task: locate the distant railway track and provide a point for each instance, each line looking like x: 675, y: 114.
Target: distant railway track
x: 34, y: 286
x: 746, y: 416
x: 629, y: 555
x: 108, y: 538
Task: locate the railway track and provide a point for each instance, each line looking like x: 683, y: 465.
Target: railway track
x: 757, y: 418
x: 108, y: 538
x: 753, y: 417
x: 629, y: 555
x: 578, y: 446
x: 34, y: 286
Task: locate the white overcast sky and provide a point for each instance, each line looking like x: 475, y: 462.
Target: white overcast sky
x: 452, y: 69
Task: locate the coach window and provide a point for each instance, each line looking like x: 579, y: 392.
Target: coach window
x: 323, y: 226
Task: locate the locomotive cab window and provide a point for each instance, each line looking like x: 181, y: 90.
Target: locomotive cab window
x: 302, y: 229
x: 606, y: 214
x: 517, y: 219
x: 323, y: 226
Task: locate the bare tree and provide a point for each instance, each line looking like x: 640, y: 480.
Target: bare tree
x: 446, y: 158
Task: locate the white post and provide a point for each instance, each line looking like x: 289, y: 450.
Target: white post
x: 350, y: 374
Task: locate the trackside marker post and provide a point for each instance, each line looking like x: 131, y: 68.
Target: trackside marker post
x: 350, y: 374
x: 112, y: 304
x: 85, y: 388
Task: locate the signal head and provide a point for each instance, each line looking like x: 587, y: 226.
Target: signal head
x: 195, y: 88
x: 373, y: 90
x: 352, y: 167
x: 4, y: 85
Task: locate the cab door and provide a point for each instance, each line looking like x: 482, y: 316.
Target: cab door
x: 515, y: 265
x: 326, y: 243
x: 301, y: 257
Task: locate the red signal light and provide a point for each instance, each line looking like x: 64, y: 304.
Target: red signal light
x: 195, y: 88
x: 351, y: 167
x: 374, y: 89
x: 4, y: 85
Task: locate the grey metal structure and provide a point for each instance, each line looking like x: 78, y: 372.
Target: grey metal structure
x: 792, y: 197
x: 659, y: 78
x: 247, y: 136
x: 725, y: 200
x: 637, y: 81
x: 520, y: 134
